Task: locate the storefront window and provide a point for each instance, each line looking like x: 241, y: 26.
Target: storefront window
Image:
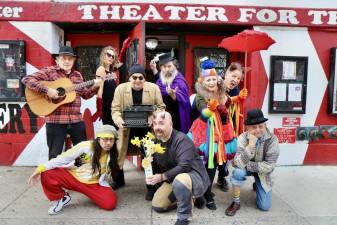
x: 219, y: 56
x: 12, y: 69
x: 88, y: 60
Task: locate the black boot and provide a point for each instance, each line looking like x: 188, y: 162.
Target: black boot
x: 210, y: 203
x: 200, y: 202
x: 220, y: 181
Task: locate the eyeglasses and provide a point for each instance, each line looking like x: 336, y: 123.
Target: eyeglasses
x: 110, y: 56
x: 138, y: 77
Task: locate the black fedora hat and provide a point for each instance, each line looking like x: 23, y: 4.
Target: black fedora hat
x: 65, y: 50
x: 165, y: 58
x: 255, y: 116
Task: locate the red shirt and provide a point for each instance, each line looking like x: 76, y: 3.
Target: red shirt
x: 67, y: 113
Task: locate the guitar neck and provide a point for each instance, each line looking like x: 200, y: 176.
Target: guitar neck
x: 88, y: 83
x: 80, y: 86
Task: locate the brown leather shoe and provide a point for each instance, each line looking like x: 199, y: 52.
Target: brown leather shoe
x: 231, y: 210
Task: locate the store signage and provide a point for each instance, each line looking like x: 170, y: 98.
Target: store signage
x: 285, y: 135
x: 180, y: 13
x: 291, y: 121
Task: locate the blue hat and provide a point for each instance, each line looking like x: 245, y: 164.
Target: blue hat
x: 207, y: 67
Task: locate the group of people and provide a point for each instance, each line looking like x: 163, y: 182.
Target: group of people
x: 195, y: 146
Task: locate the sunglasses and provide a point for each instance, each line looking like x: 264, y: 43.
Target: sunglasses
x: 110, y: 56
x: 138, y: 77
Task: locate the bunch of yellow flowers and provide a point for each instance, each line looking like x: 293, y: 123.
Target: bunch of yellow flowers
x: 149, y: 146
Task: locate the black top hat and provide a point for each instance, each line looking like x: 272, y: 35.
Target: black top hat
x: 165, y: 58
x: 255, y: 116
x: 136, y: 69
x: 65, y: 50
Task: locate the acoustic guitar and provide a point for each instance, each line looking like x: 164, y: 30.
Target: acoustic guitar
x: 42, y: 105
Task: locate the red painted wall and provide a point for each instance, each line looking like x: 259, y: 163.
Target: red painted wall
x: 16, y: 135
x: 323, y: 151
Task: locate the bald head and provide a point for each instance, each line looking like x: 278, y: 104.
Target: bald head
x: 162, y: 125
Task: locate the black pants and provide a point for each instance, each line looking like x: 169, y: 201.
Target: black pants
x: 57, y: 134
x: 211, y: 174
x: 223, y: 170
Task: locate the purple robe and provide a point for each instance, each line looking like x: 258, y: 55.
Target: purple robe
x: 183, y: 100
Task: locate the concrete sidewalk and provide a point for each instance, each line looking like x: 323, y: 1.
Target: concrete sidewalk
x: 302, y: 195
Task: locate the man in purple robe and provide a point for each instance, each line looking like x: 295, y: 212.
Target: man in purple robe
x: 174, y: 89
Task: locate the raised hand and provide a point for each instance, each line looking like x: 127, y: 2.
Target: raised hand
x: 171, y: 92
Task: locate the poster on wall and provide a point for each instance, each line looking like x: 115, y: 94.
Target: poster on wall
x: 12, y: 69
x: 288, y: 80
x: 332, y: 86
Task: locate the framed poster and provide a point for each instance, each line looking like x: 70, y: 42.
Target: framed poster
x: 12, y: 69
x: 332, y: 86
x: 288, y: 84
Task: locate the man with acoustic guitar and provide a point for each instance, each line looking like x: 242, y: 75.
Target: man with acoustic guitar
x: 65, y: 117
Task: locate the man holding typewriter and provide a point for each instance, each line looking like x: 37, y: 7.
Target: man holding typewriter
x: 135, y: 92
x: 66, y: 118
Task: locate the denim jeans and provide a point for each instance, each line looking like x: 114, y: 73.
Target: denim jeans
x: 263, y: 199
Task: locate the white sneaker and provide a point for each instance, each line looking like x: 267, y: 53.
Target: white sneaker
x: 57, y: 205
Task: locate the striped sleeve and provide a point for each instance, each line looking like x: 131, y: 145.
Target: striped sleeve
x: 68, y: 156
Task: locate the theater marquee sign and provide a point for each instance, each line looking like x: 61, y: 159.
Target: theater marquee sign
x: 178, y: 13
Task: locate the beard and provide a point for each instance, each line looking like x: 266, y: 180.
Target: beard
x: 168, y: 78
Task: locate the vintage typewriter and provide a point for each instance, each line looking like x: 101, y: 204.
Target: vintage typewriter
x: 136, y: 116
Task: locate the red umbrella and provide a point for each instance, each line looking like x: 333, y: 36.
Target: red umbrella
x: 247, y: 41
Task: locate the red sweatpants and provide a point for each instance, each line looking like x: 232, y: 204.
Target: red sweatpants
x: 53, y: 181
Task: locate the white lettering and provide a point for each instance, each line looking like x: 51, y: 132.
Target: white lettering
x: 16, y: 11
x: 7, y: 12
x: 152, y: 12
x: 288, y: 16
x: 246, y: 15
x: 131, y: 12
x: 10, y: 12
x: 216, y: 14
x: 194, y: 13
x: 332, y: 17
x: 266, y: 15
x: 87, y: 11
x: 104, y: 12
x: 317, y: 16
x: 175, y: 10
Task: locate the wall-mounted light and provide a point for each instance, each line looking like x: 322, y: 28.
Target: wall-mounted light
x: 151, y: 43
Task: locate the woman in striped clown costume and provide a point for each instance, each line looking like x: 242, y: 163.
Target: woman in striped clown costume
x: 211, y: 132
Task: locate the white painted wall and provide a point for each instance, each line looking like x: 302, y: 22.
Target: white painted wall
x: 292, y: 41
x: 46, y: 34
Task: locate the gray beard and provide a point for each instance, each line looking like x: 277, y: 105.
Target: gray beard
x: 167, y: 80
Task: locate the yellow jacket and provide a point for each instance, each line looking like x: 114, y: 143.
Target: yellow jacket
x: 83, y: 173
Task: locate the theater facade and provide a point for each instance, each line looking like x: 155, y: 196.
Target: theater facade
x: 294, y: 82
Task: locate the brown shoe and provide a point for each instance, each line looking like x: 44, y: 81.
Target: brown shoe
x: 231, y: 210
